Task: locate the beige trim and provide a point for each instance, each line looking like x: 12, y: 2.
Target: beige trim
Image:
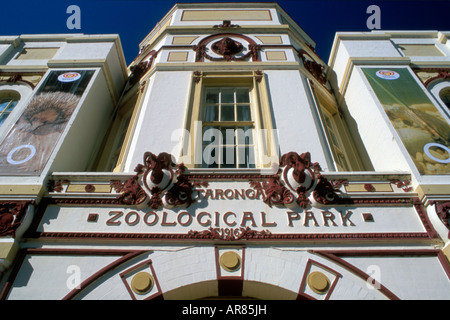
x: 276, y: 55
x: 34, y: 190
x: 270, y: 39
x: 8, y: 250
x: 81, y: 188
x: 178, y: 56
x: 359, y: 187
x: 220, y: 15
x: 435, y: 189
x: 183, y: 40
x: 131, y: 127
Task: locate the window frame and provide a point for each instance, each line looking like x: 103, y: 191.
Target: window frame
x: 24, y: 92
x: 235, y: 124
x: 265, y: 139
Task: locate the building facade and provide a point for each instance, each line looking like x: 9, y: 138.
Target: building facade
x: 227, y: 161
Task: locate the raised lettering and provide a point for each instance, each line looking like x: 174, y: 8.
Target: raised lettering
x: 292, y: 215
x: 113, y: 220
x: 129, y: 218
x: 181, y: 215
x: 309, y: 215
x: 248, y: 216
x: 328, y: 216
x: 225, y: 219
x: 164, y: 221
x: 264, y: 223
x: 199, y: 219
x: 346, y: 218
x: 155, y: 219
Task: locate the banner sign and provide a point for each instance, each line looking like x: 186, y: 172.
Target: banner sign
x: 231, y: 211
x: 425, y: 133
x: 30, y: 142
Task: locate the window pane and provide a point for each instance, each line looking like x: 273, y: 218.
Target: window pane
x: 246, y: 157
x: 3, y: 118
x: 212, y: 113
x: 228, y: 157
x: 243, y: 113
x: 11, y: 105
x: 242, y: 96
x: 4, y: 103
x: 228, y: 135
x: 212, y: 96
x: 227, y: 113
x: 209, y: 159
x: 244, y: 135
x: 227, y: 96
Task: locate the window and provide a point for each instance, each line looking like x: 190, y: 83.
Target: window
x: 228, y: 129
x: 444, y: 94
x: 341, y: 144
x: 112, y: 152
x: 8, y: 101
x: 229, y: 122
x: 334, y: 140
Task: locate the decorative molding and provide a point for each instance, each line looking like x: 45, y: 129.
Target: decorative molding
x: 11, y: 216
x: 138, y: 70
x: 226, y: 24
x: 227, y: 48
x: 443, y: 74
x: 262, y: 235
x: 297, y: 180
x: 443, y: 212
x: 160, y: 180
x: 317, y: 70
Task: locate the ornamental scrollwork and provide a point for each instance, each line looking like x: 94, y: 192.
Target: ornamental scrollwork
x: 159, y: 180
x: 298, y: 181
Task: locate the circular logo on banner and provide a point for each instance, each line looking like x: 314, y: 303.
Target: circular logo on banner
x: 69, y: 77
x: 30, y: 147
x: 387, y: 74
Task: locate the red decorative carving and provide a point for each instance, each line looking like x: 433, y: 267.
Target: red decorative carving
x: 54, y: 186
x: 402, y: 184
x: 316, y: 69
x: 137, y: 71
x: 180, y: 193
x: 274, y: 191
x: 197, y: 76
x: 226, y: 24
x: 443, y: 212
x: 227, y: 48
x: 279, y: 189
x: 229, y: 234
x: 89, y: 188
x: 298, y: 162
x: 154, y: 165
x: 131, y: 191
x: 325, y: 192
x: 369, y: 187
x: 259, y: 75
x: 443, y: 74
x: 156, y: 175
x: 11, y: 214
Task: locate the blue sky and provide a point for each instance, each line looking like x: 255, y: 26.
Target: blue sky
x: 133, y: 19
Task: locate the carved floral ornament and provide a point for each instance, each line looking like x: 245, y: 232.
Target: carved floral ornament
x: 226, y: 47
x: 160, y: 182
x: 11, y: 216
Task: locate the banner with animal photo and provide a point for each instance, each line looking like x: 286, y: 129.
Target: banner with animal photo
x: 424, y: 131
x: 28, y: 145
